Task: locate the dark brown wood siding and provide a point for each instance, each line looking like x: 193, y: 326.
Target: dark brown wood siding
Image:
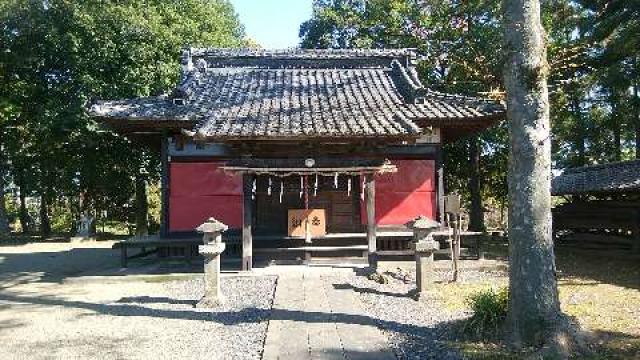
x: 342, y: 209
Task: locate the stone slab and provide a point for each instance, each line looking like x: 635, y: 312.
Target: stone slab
x: 312, y: 319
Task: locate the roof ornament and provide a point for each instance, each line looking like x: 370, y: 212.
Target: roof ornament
x: 200, y: 134
x: 186, y: 63
x: 188, y: 133
x: 201, y: 65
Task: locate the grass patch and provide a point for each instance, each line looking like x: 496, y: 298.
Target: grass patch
x: 600, y: 291
x: 484, y: 351
x: 454, y: 295
x: 603, y: 294
x: 488, y: 312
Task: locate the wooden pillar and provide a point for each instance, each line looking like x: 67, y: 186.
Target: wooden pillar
x: 635, y: 236
x: 370, y: 189
x: 247, y: 222
x: 440, y: 188
x: 164, y: 185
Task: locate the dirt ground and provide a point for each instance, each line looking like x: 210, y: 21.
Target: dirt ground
x: 72, y: 301
x: 62, y: 300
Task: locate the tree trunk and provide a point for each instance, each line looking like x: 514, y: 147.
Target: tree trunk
x: 4, y: 221
x: 24, y: 212
x: 580, y: 131
x: 476, y: 215
x: 617, y: 131
x: 534, y: 308
x: 636, y: 101
x: 45, y: 223
x: 142, y: 206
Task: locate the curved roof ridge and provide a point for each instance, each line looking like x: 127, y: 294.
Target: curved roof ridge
x: 295, y: 58
x: 301, y: 53
x: 431, y: 92
x: 409, y: 88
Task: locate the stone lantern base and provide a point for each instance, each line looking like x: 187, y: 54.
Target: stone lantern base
x: 212, y: 297
x: 424, y: 251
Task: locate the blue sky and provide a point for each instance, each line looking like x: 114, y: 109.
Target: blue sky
x: 274, y: 24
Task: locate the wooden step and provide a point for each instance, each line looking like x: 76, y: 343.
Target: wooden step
x: 312, y: 248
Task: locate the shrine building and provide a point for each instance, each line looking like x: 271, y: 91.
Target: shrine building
x: 300, y: 149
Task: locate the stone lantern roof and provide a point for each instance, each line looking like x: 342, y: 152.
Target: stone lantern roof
x: 212, y: 226
x: 423, y: 223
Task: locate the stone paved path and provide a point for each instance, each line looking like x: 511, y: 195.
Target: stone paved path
x: 313, y: 319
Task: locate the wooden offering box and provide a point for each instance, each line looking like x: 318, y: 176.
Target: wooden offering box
x: 301, y: 219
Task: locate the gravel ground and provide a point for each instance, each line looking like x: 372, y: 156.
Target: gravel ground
x: 415, y: 329
x: 134, y: 320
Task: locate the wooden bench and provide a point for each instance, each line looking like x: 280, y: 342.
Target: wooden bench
x: 151, y: 245
x: 441, y: 236
x: 308, y: 250
x: 398, y: 246
x: 314, y: 248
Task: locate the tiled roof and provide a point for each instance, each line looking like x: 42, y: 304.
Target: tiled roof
x: 621, y: 176
x: 265, y: 94
x: 301, y: 102
x: 151, y: 108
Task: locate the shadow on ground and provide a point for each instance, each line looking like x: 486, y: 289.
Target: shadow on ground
x: 134, y: 307
x: 56, y: 262
x: 601, y: 266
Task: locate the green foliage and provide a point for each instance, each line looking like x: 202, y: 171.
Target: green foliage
x: 153, y: 195
x: 63, y: 221
x: 489, y: 311
x: 59, y: 55
x: 594, y: 71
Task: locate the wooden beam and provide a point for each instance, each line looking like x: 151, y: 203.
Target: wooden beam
x: 635, y: 235
x: 247, y: 222
x: 370, y: 192
x: 164, y: 185
x: 440, y: 188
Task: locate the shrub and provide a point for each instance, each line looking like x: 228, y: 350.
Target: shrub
x: 489, y: 309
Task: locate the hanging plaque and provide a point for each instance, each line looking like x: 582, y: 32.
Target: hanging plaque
x: 452, y: 204
x: 311, y: 221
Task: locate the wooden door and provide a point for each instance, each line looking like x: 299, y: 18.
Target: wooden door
x: 342, y: 209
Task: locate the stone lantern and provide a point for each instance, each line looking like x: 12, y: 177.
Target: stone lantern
x: 425, y: 246
x: 213, y: 246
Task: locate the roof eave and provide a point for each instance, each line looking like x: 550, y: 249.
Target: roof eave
x: 313, y: 138
x: 125, y: 125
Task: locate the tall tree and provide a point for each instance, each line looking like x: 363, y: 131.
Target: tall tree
x: 58, y: 55
x: 614, y: 30
x: 534, y: 308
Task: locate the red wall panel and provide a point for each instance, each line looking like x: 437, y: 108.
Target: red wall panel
x: 202, y: 190
x: 405, y: 194
x: 395, y: 208
x: 412, y: 175
x: 187, y: 213
x: 196, y: 179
